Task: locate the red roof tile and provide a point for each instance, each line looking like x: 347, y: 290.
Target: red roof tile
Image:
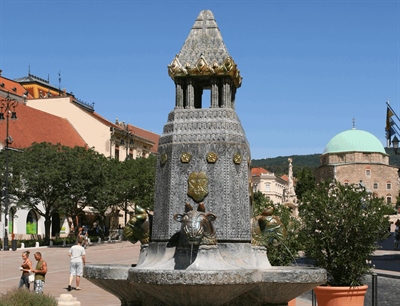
x: 146, y: 135
x: 138, y: 132
x: 33, y: 125
x: 258, y: 171
x: 285, y: 178
x: 7, y: 85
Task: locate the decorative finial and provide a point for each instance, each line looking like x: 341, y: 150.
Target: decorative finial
x: 354, y: 123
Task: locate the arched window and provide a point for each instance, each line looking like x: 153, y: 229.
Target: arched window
x: 31, y: 223
x: 11, y: 217
x: 375, y: 185
x: 389, y: 198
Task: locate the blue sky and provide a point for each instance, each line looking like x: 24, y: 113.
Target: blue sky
x: 308, y: 67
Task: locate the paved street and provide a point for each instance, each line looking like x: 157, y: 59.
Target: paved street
x: 58, y: 275
x: 58, y: 270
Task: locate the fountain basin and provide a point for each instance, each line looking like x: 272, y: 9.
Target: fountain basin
x: 272, y: 286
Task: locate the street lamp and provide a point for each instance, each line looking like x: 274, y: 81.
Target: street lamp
x: 395, y: 142
x: 7, y: 111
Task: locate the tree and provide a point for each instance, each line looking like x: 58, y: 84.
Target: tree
x: 341, y: 225
x: 41, y: 183
x: 136, y: 183
x: 103, y: 194
x: 145, y: 176
x: 260, y: 201
x: 48, y: 178
x: 79, y: 163
x: 305, y: 181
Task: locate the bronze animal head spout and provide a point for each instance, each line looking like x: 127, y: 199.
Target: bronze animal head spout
x: 197, y: 226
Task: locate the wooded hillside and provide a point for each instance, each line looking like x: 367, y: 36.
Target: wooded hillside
x: 279, y: 165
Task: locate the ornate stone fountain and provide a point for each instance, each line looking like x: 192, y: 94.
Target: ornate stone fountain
x: 200, y: 250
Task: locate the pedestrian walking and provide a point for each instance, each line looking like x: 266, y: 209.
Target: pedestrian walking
x: 77, y: 254
x: 40, y: 273
x: 26, y: 268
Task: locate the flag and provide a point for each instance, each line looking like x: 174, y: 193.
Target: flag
x: 389, y: 121
x: 389, y: 134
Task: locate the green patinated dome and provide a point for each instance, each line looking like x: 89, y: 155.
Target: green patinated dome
x: 354, y: 141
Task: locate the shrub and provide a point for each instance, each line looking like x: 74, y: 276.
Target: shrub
x: 23, y: 297
x: 341, y: 227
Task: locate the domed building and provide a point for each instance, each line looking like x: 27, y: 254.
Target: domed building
x: 358, y: 157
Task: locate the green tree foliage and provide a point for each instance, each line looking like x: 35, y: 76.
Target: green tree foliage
x: 341, y: 225
x: 137, y: 179
x: 287, y: 251
x: 260, y: 202
x: 305, y: 181
x: 48, y: 178
x: 41, y: 184
x: 78, y: 177
x: 279, y: 165
x: 103, y: 193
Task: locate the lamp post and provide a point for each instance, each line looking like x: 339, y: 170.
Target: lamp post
x: 127, y: 141
x: 395, y: 143
x: 7, y: 111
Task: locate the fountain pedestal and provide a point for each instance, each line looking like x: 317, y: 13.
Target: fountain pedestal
x: 206, y: 258
x: 273, y: 286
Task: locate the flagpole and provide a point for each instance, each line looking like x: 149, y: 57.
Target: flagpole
x: 387, y: 103
x: 390, y: 130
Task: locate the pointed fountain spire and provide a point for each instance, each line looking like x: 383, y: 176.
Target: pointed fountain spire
x: 204, y: 52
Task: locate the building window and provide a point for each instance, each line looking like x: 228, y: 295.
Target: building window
x: 116, y: 152
x: 267, y: 187
x: 375, y: 185
x: 388, y: 186
x: 389, y: 200
x: 255, y: 187
x: 368, y: 172
x: 31, y: 223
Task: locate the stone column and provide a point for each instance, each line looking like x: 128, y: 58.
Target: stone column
x: 189, y: 94
x: 226, y: 93
x: 178, y: 94
x: 233, y: 96
x: 214, y: 93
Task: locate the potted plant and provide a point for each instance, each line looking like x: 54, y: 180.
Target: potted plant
x: 341, y: 225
